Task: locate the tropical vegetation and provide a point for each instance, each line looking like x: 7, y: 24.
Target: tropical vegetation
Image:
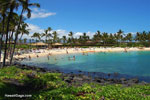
x: 12, y: 24
x: 50, y: 86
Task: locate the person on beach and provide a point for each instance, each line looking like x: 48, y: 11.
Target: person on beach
x: 37, y: 56
x: 125, y: 50
x: 50, y: 54
x: 66, y: 51
x: 29, y: 57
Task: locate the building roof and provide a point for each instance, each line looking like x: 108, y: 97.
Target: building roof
x: 39, y: 44
x: 57, y: 44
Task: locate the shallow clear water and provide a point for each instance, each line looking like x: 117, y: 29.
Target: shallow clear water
x: 131, y: 63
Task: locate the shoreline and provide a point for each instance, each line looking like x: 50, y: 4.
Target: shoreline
x: 45, y: 52
x: 87, y: 77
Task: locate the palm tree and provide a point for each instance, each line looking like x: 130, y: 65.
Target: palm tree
x: 97, y: 37
x: 49, y: 29
x: 71, y: 36
x: 80, y: 40
x: 25, y: 40
x: 46, y: 34
x: 13, y: 24
x: 64, y: 39
x: 85, y: 38
x: 119, y: 36
x: 129, y: 37
x: 25, y: 7
x: 138, y: 37
x: 11, y: 4
x: 36, y: 36
x: 105, y: 38
x: 55, y: 37
x: 3, y: 14
x: 144, y: 36
x: 24, y: 30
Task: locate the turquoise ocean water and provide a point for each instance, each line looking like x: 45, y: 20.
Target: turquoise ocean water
x: 130, y: 63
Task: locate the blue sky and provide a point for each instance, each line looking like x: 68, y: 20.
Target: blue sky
x: 91, y: 15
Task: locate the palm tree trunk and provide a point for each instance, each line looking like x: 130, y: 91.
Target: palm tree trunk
x: 1, y: 39
x: 10, y: 47
x: 1, y: 45
x: 16, y: 36
x: 5, y: 49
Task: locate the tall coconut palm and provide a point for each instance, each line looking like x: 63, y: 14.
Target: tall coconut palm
x: 24, y: 30
x: 3, y: 16
x: 111, y: 38
x: 49, y: 29
x: 138, y: 37
x: 11, y: 4
x: 25, y: 40
x: 55, y: 37
x: 119, y: 36
x: 97, y: 37
x: 105, y: 38
x: 36, y: 36
x: 144, y: 36
x: 129, y: 37
x: 25, y: 7
x: 47, y: 34
x: 64, y: 39
x: 71, y: 36
x: 85, y: 38
x: 13, y: 24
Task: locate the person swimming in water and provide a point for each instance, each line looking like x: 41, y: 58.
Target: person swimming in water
x: 48, y: 57
x: 87, y: 54
x: 69, y: 58
x: 83, y: 53
x: 74, y: 57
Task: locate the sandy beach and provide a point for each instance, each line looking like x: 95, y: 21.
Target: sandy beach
x: 45, y: 52
x: 58, y: 51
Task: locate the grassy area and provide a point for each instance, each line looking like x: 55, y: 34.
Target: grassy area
x: 49, y: 86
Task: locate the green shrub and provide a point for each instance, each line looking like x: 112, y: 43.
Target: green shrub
x: 49, y: 86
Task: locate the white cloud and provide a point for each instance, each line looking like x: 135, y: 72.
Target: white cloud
x: 34, y: 28
x: 62, y: 32
x: 78, y: 34
x: 40, y: 13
